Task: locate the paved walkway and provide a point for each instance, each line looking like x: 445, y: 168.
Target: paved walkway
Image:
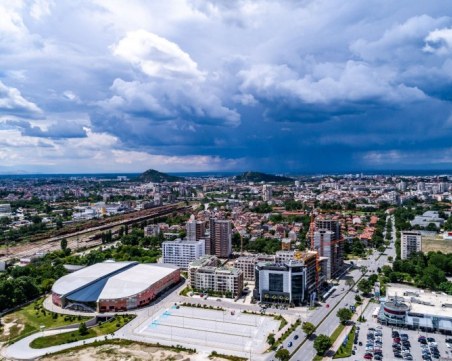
x: 21, y: 350
x: 337, y: 344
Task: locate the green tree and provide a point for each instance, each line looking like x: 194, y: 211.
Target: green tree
x: 322, y: 343
x: 364, y: 286
x: 308, y: 328
x: 82, y: 329
x: 358, y: 298
x: 271, y: 339
x: 344, y: 315
x: 282, y: 354
x: 63, y: 244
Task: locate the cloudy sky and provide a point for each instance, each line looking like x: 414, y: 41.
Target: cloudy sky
x: 195, y: 85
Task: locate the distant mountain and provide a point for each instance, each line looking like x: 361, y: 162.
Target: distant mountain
x: 155, y: 176
x: 260, y: 177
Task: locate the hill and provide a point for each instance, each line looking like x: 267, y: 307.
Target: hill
x: 261, y: 177
x: 154, y: 176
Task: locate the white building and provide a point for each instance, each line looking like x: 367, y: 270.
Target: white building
x: 5, y: 210
x: 267, y: 192
x: 182, y: 252
x: 153, y: 230
x: 410, y: 242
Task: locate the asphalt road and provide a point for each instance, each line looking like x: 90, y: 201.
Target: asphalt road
x: 338, y: 300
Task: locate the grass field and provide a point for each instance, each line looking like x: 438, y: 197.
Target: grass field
x: 28, y: 320
x: 105, y: 328
x: 346, y: 351
x: 430, y: 244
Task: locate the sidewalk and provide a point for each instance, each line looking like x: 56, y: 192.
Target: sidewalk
x: 337, y: 344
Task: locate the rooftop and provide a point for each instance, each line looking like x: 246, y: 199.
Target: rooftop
x: 72, y: 282
x: 135, y: 280
x: 422, y: 301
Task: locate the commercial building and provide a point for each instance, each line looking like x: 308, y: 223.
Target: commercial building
x: 205, y: 276
x: 280, y: 282
x: 195, y: 229
x: 427, y: 218
x: 416, y: 309
x: 113, y: 286
x: 328, y: 241
x: 247, y: 264
x: 181, y: 252
x: 220, y: 242
x: 410, y: 242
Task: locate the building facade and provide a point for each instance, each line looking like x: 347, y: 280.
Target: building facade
x: 220, y: 242
x: 195, y: 230
x: 410, y: 242
x: 205, y: 276
x: 328, y: 241
x: 280, y: 282
x: 247, y: 264
x: 182, y: 252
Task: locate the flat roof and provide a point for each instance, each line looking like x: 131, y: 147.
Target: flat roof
x: 422, y: 301
x: 82, y: 278
x: 135, y: 280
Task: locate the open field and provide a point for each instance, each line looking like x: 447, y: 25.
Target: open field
x: 29, y: 318
x: 210, y: 328
x: 432, y: 244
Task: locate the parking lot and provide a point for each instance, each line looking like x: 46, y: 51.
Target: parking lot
x: 413, y: 348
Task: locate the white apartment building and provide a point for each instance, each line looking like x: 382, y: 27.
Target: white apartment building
x: 410, y: 242
x: 247, y: 264
x: 181, y: 252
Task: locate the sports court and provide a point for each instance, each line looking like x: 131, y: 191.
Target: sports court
x: 227, y: 330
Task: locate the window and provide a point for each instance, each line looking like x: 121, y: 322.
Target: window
x: 276, y: 283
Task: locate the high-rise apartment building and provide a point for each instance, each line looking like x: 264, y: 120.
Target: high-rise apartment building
x: 220, y: 242
x: 247, y: 264
x: 410, y: 242
x: 182, y: 252
x: 195, y: 229
x: 329, y: 243
x: 267, y: 192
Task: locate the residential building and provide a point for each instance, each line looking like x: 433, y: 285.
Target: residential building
x: 182, y: 252
x: 153, y: 230
x: 204, y: 275
x: 247, y: 264
x: 267, y: 192
x: 328, y: 241
x: 220, y: 242
x: 195, y: 229
x: 410, y: 242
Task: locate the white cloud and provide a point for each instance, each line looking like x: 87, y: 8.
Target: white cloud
x: 156, y: 56
x: 41, y: 8
x: 12, y: 100
x: 327, y: 83
x: 439, y: 41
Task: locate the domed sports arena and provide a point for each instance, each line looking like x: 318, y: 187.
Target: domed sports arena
x: 113, y: 286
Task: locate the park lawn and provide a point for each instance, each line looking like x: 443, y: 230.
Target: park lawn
x: 28, y: 320
x: 105, y: 328
x: 346, y: 351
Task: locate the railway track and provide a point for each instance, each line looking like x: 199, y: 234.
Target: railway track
x: 78, y: 239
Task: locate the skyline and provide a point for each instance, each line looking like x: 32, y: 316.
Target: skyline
x: 193, y: 86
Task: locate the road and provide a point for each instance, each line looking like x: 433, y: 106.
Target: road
x: 343, y: 299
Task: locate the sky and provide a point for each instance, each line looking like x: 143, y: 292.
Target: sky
x: 200, y: 85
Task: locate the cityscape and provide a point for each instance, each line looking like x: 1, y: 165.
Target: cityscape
x: 225, y: 180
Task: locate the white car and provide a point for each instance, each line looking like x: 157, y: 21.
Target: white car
x: 449, y: 345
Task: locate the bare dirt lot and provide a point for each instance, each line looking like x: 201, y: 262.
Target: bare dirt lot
x: 436, y: 244
x: 111, y: 352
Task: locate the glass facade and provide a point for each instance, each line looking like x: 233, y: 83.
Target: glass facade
x: 276, y: 282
